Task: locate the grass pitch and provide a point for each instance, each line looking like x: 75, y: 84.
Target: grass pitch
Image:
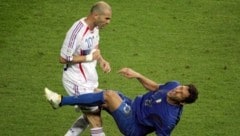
x: 190, y: 41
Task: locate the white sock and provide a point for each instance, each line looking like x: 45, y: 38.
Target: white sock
x: 78, y: 127
x: 97, y: 131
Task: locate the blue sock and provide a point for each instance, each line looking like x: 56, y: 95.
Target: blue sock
x: 90, y: 99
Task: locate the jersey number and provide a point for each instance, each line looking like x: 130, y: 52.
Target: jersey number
x: 89, y: 41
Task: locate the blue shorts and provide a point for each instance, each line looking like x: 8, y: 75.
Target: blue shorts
x: 125, y: 118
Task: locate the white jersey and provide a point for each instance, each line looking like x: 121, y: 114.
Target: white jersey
x: 80, y: 40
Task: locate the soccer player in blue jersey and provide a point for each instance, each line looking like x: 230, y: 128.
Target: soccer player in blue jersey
x: 159, y: 110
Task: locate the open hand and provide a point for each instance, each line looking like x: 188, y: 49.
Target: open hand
x: 128, y: 73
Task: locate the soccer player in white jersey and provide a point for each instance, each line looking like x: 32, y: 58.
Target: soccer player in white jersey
x: 80, y: 55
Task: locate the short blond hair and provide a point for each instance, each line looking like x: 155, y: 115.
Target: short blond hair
x: 100, y: 7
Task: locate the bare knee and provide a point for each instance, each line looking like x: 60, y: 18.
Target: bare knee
x: 109, y: 94
x: 112, y: 100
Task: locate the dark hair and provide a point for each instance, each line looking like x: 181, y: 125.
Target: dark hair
x: 193, y: 94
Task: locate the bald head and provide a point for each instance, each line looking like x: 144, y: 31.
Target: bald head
x: 100, y: 7
x: 100, y: 15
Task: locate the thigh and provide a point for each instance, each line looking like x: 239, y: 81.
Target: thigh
x: 124, y: 118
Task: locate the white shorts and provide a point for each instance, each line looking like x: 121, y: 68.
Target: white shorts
x: 74, y: 89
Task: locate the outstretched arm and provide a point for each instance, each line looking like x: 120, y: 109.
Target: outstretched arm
x: 146, y: 82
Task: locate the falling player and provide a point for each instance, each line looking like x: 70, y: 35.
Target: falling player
x: 159, y: 110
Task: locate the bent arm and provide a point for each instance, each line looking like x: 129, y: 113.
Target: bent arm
x: 146, y: 82
x: 94, y: 55
x: 74, y: 59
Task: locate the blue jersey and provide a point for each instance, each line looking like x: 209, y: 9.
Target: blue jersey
x: 154, y: 113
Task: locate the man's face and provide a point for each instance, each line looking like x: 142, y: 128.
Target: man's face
x: 179, y: 93
x: 103, y: 19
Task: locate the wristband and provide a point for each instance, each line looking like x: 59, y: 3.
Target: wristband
x: 89, y: 57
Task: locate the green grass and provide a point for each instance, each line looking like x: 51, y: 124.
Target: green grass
x: 194, y: 41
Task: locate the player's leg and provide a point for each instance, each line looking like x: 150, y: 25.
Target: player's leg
x: 78, y: 127
x: 121, y: 110
x: 110, y: 99
x: 81, y: 122
x: 93, y: 118
x: 119, y: 106
x: 95, y: 122
x: 93, y: 115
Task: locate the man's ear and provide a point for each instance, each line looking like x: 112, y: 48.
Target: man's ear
x: 95, y: 15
